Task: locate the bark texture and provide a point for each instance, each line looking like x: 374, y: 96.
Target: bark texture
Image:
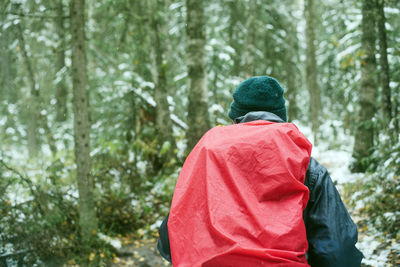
x: 163, y: 116
x: 87, y: 214
x: 364, y: 136
x: 198, y: 116
x: 396, y: 111
x: 384, y: 73
x: 36, y: 118
x: 5, y: 55
x: 234, y: 17
x: 61, y: 89
x: 142, y: 36
x: 311, y: 69
x: 291, y: 91
x: 33, y: 100
x: 250, y: 48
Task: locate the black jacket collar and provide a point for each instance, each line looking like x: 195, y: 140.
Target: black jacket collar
x: 258, y: 115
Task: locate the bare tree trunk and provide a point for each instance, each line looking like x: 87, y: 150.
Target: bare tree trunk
x: 250, y: 48
x: 8, y: 92
x: 384, y: 74
x: 87, y: 214
x: 198, y: 116
x: 364, y: 136
x: 311, y: 69
x: 61, y: 89
x: 33, y: 107
x: 291, y: 75
x: 234, y: 17
x: 142, y: 55
x: 291, y: 92
x: 134, y: 181
x: 5, y: 55
x: 127, y: 23
x: 396, y: 108
x: 35, y: 116
x: 7, y: 62
x: 163, y: 116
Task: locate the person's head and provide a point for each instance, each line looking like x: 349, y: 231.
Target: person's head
x: 259, y: 93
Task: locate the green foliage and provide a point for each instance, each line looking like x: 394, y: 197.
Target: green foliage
x: 41, y: 225
x: 133, y: 170
x: 380, y: 191
x: 120, y: 213
x: 166, y: 146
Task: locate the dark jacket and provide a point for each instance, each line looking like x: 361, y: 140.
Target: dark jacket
x: 331, y: 233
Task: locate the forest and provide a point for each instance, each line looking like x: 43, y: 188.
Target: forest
x: 102, y: 101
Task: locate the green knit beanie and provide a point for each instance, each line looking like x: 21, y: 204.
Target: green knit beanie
x: 260, y: 93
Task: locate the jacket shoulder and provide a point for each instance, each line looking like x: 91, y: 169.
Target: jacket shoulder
x: 314, y: 172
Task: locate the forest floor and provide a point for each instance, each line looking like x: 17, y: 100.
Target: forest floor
x: 378, y: 250
x: 140, y: 253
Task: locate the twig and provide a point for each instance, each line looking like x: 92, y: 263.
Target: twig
x: 29, y: 182
x: 20, y: 14
x: 14, y: 254
x: 26, y: 180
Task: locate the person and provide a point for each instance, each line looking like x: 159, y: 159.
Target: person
x: 250, y: 194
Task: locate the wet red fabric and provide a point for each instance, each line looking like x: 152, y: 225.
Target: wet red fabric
x: 240, y: 196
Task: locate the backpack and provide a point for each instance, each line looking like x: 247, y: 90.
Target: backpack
x: 240, y: 196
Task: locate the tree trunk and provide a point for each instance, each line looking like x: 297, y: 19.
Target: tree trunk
x: 127, y: 23
x: 311, y: 69
x: 87, y: 214
x: 33, y: 101
x: 61, y: 89
x: 250, y: 48
x: 384, y: 73
x: 396, y: 110
x: 291, y: 91
x: 35, y: 116
x: 364, y: 136
x: 134, y: 181
x: 234, y: 17
x: 142, y: 37
x: 163, y: 116
x: 5, y: 55
x: 291, y: 74
x: 7, y: 62
x: 198, y: 116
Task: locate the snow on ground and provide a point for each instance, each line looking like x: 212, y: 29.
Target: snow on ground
x: 335, y: 156
x: 336, y: 161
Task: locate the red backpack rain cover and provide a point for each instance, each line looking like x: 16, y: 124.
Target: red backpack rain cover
x: 240, y: 196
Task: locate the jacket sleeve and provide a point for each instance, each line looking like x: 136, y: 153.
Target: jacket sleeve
x: 163, y: 240
x: 331, y: 233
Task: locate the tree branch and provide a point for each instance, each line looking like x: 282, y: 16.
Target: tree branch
x: 26, y: 180
x: 20, y: 14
